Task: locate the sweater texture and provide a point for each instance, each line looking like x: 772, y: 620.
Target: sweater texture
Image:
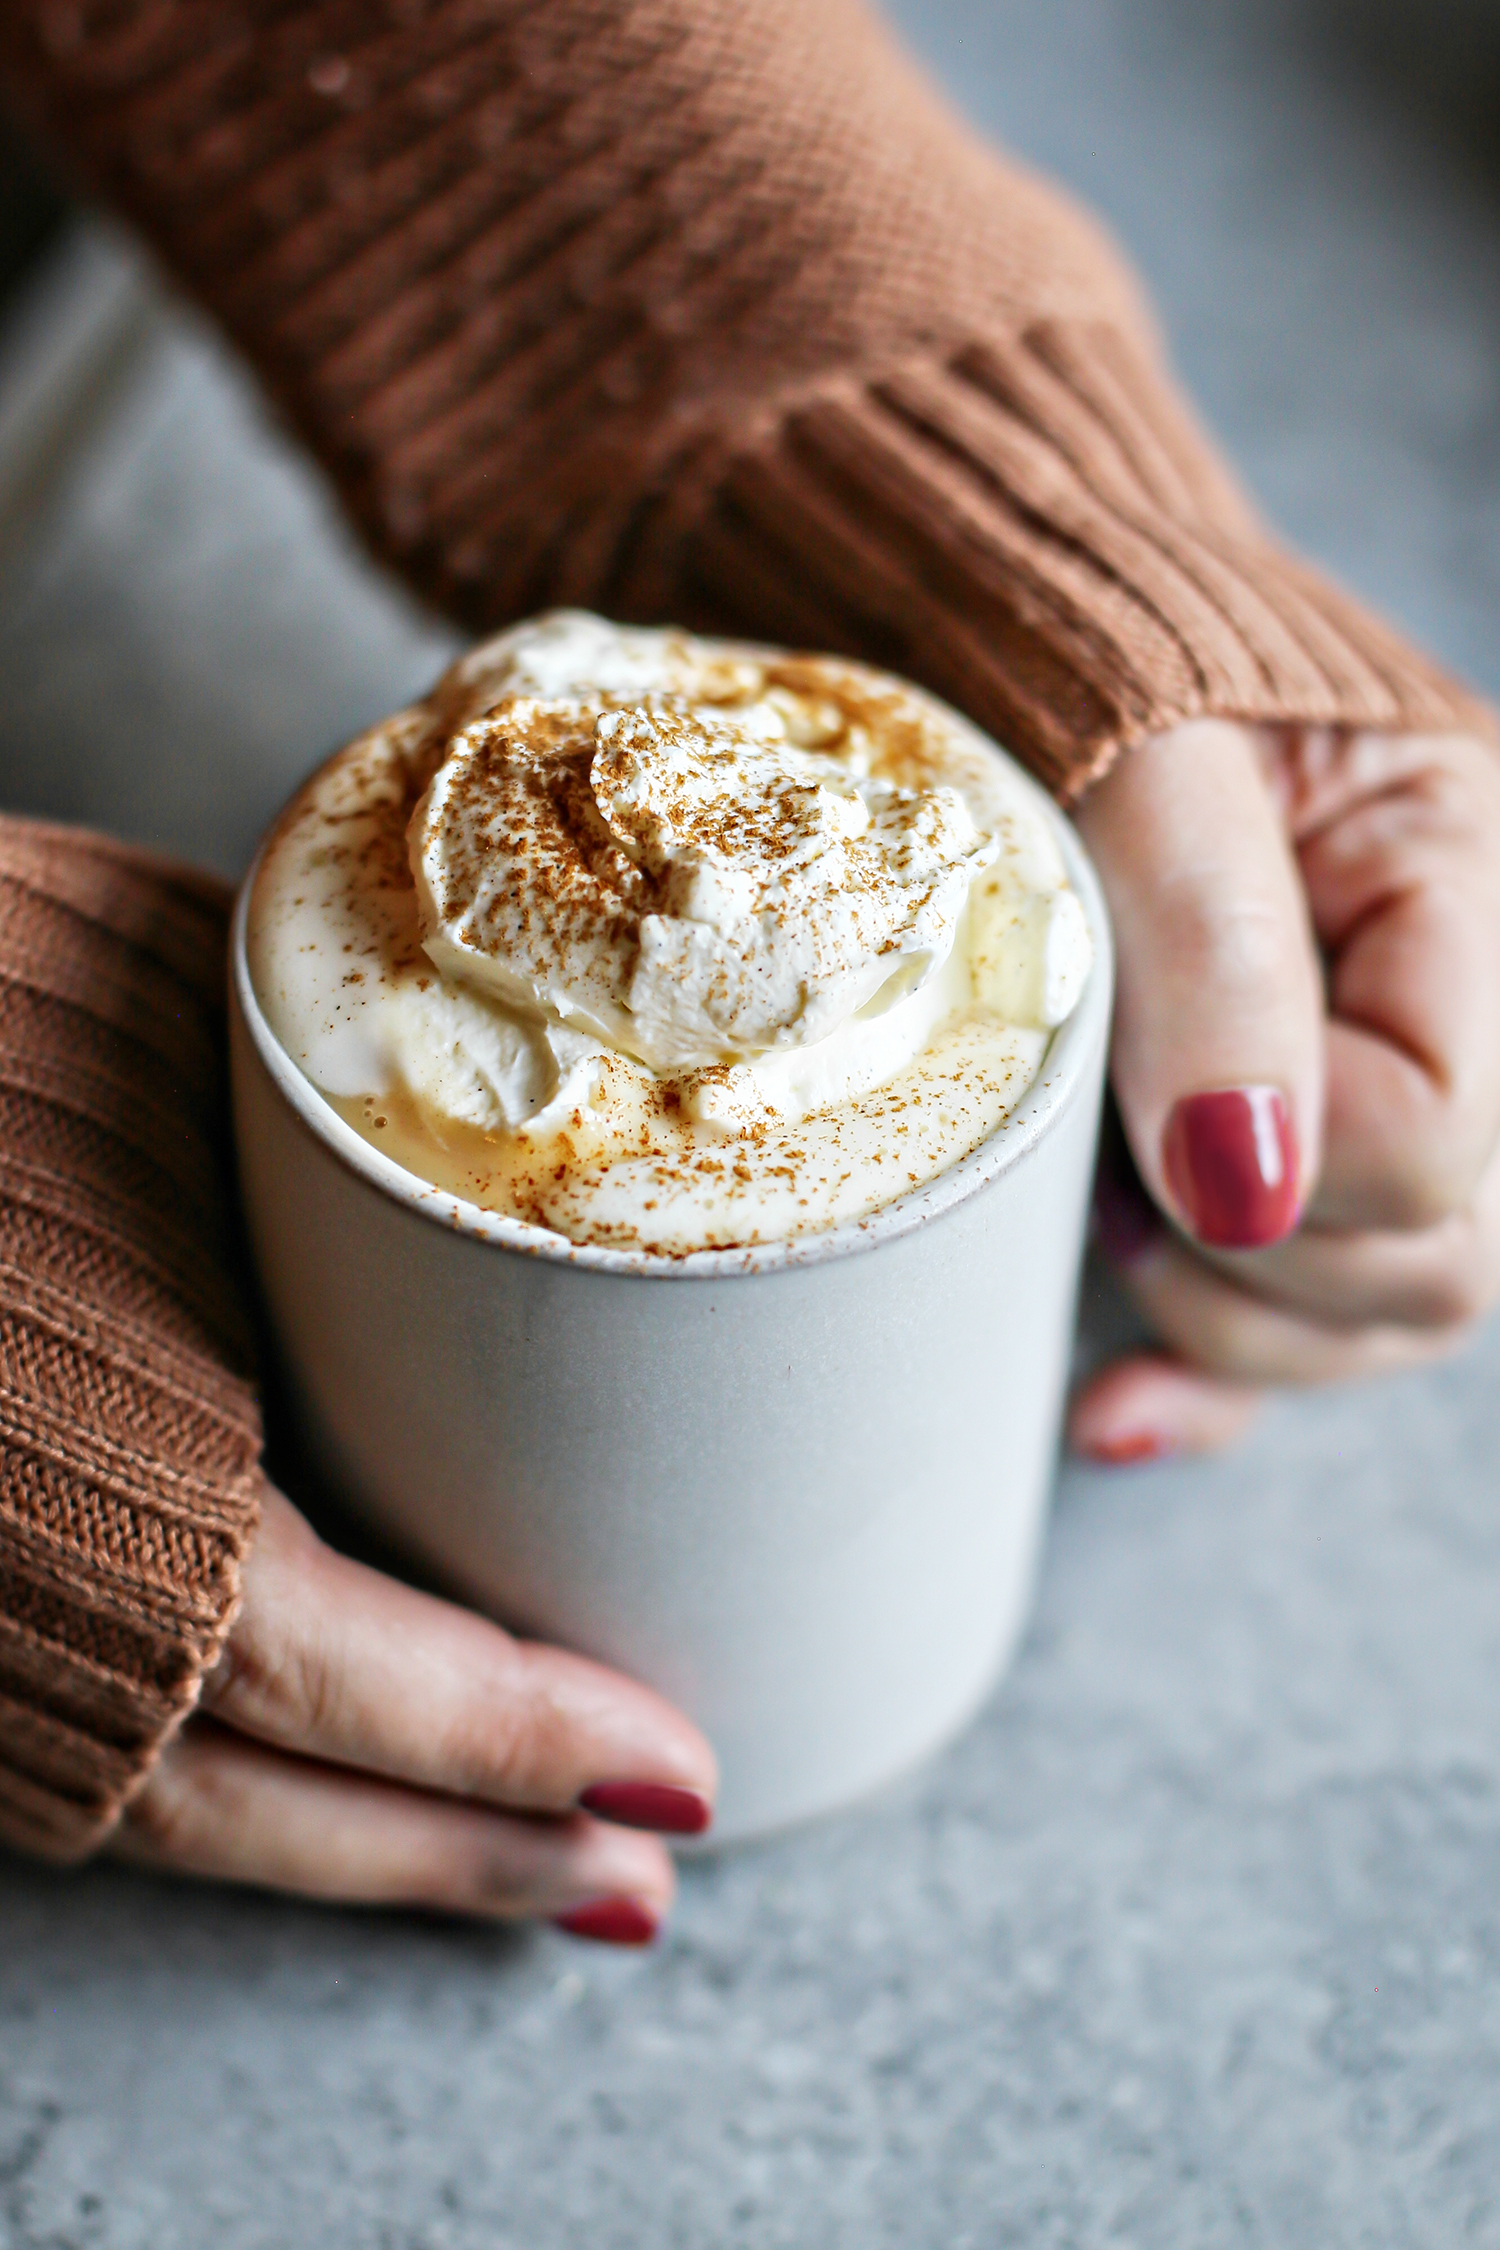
x: 694, y: 310
x: 129, y: 1428
x: 708, y: 310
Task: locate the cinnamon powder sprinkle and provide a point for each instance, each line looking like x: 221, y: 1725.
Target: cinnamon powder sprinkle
x: 548, y: 795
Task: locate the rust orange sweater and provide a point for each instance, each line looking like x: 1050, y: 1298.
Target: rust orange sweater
x: 693, y: 309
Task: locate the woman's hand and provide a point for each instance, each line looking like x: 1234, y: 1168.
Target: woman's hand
x: 362, y: 1741
x: 1306, y: 1062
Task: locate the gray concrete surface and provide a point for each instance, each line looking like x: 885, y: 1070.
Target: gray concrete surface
x: 1194, y: 1940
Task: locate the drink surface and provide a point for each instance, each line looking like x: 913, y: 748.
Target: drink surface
x: 667, y: 944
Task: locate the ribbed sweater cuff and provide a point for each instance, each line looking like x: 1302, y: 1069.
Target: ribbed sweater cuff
x: 1034, y: 528
x: 129, y: 1430
x: 688, y: 309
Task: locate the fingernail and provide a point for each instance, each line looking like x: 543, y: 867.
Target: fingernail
x: 1231, y: 1162
x: 1127, y: 1223
x: 1119, y: 1452
x: 649, y: 1804
x: 609, y: 1921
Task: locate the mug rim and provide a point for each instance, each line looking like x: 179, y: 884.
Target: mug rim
x: 1065, y: 1065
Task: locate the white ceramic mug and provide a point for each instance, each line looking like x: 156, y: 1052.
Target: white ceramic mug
x: 799, y: 1489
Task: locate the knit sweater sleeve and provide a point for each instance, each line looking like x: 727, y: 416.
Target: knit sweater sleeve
x: 709, y: 309
x: 703, y: 309
x: 129, y: 1431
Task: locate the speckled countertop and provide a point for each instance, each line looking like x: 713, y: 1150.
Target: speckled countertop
x: 1195, y: 1938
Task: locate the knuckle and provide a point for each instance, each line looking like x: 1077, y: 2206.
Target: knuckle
x: 273, y: 1674
x: 1443, y: 1192
x: 1449, y: 1302
x: 1246, y: 946
x: 1423, y: 1183
x: 236, y: 1682
x: 309, y: 1684
x: 1462, y: 1287
x: 498, y: 1740
x: 497, y: 1879
x: 279, y: 1684
x: 502, y: 1866
x: 1413, y: 1200
x: 1435, y: 1144
x: 511, y: 1746
x: 486, y: 1755
x: 1204, y: 1331
x: 163, y: 1820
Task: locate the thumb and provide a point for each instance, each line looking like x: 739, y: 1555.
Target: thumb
x: 1218, y: 1039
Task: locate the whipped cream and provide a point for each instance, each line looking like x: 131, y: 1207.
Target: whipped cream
x: 667, y: 943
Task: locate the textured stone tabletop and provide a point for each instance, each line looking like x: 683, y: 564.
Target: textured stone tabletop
x: 1195, y: 1938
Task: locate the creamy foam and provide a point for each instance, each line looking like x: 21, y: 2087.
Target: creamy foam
x: 667, y: 944
x: 683, y: 888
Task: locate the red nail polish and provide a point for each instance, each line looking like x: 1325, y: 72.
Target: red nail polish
x: 1231, y: 1162
x: 1137, y: 1445
x: 609, y: 1921
x: 649, y: 1804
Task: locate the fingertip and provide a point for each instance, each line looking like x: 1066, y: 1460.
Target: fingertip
x: 610, y: 1921
x: 609, y: 1743
x: 1232, y: 1164
x: 660, y: 1806
x: 612, y: 1866
x: 1148, y: 1406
